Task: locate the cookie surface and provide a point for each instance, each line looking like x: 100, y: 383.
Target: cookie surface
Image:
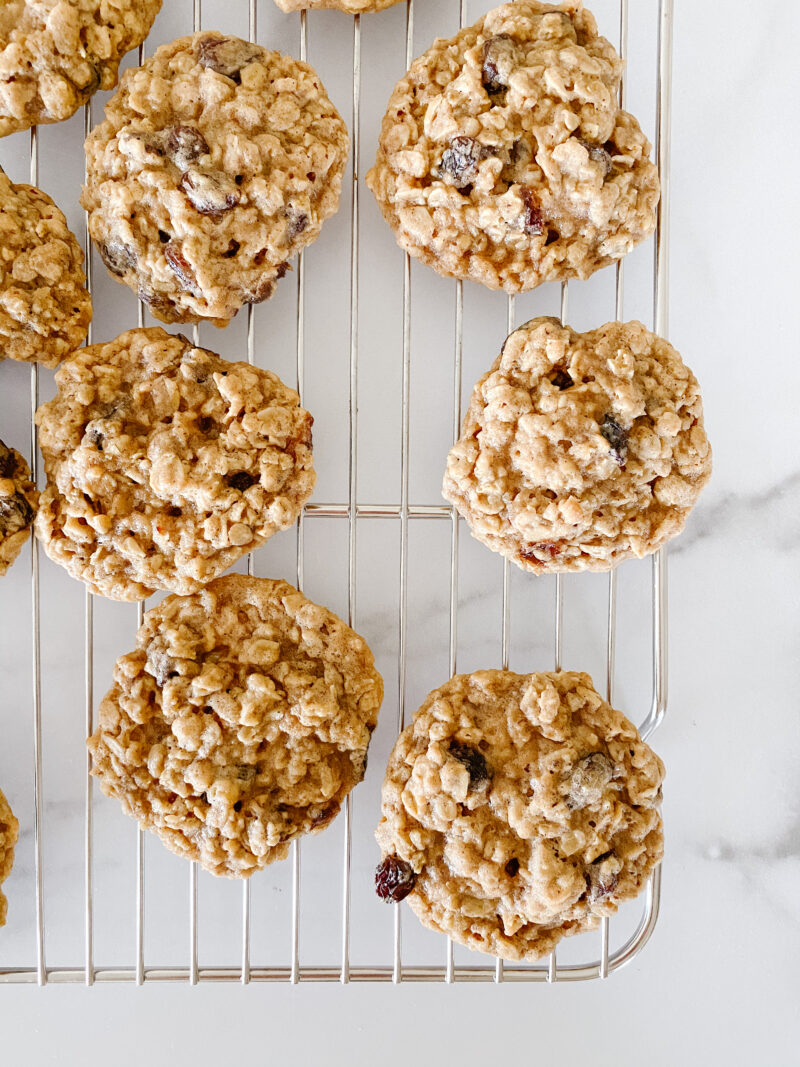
x: 9, y: 830
x: 217, y: 162
x: 45, y: 309
x: 54, y: 54
x: 517, y: 810
x: 18, y: 498
x: 580, y: 450
x: 505, y: 158
x: 166, y: 464
x: 241, y: 721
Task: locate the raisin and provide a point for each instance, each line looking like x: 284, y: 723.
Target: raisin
x: 298, y: 221
x: 602, y: 876
x: 210, y: 191
x: 590, y: 775
x: 281, y: 269
x: 174, y: 512
x: 157, y: 301
x: 226, y: 55
x: 473, y: 760
x: 561, y: 379
x: 185, y: 145
x: 497, y: 62
x: 325, y: 816
x: 263, y: 291
x: 117, y: 256
x: 394, y: 879
x: 237, y: 805
x: 311, y: 176
x: 233, y: 248
x: 460, y: 161
x: 532, y: 218
x: 541, y: 548
x: 616, y: 437
x: 598, y: 154
x: 163, y: 236
x: 15, y: 514
x: 8, y: 463
x: 512, y: 867
x: 181, y: 268
x: 204, y: 423
x: 161, y: 666
x: 240, y: 480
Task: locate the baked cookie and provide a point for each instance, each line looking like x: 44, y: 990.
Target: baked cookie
x: 241, y: 721
x: 18, y: 498
x: 55, y: 53
x: 45, y: 309
x: 580, y: 449
x: 352, y: 7
x: 518, y: 809
x: 217, y: 162
x: 166, y: 464
x: 504, y: 157
x: 9, y: 830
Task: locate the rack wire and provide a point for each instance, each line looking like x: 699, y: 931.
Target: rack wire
x: 352, y: 510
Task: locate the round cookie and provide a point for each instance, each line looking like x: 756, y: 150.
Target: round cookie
x: 352, y: 7
x: 217, y: 162
x: 579, y: 450
x: 166, y: 464
x: 18, y: 499
x: 9, y: 831
x: 54, y: 54
x: 241, y: 721
x: 504, y: 157
x: 518, y: 809
x: 45, y: 309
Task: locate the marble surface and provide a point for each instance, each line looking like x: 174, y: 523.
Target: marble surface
x: 717, y: 983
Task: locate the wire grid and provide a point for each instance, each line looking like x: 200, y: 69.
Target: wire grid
x: 496, y: 971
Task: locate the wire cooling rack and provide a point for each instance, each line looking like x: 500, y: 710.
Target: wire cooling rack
x: 284, y: 927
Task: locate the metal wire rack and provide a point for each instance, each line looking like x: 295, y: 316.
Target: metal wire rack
x: 247, y: 969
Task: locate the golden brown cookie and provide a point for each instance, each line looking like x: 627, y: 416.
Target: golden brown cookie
x: 45, y: 309
x: 9, y: 830
x: 505, y: 158
x: 217, y: 162
x: 18, y: 499
x: 166, y: 464
x: 518, y: 809
x: 241, y: 721
x: 579, y: 450
x: 54, y: 54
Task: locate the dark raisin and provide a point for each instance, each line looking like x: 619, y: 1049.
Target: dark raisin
x: 185, y: 145
x: 325, y: 816
x: 263, y: 291
x: 181, y: 267
x: 532, y: 218
x: 15, y: 514
x: 233, y: 248
x: 590, y: 775
x: 174, y: 512
x: 211, y: 192
x: 512, y: 867
x: 163, y: 236
x: 394, y: 879
x: 118, y: 257
x: 561, y: 379
x: 281, y: 269
x: 616, y: 437
x: 311, y: 176
x: 240, y: 480
x: 8, y: 462
x: 237, y: 806
x: 552, y: 237
x: 602, y: 876
x: 460, y: 161
x: 226, y: 55
x: 298, y: 221
x: 161, y: 666
x: 598, y: 154
x: 543, y: 548
x: 473, y: 760
x: 497, y: 62
x: 204, y: 423
x: 154, y: 300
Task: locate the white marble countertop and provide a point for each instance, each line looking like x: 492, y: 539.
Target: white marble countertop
x: 717, y: 982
